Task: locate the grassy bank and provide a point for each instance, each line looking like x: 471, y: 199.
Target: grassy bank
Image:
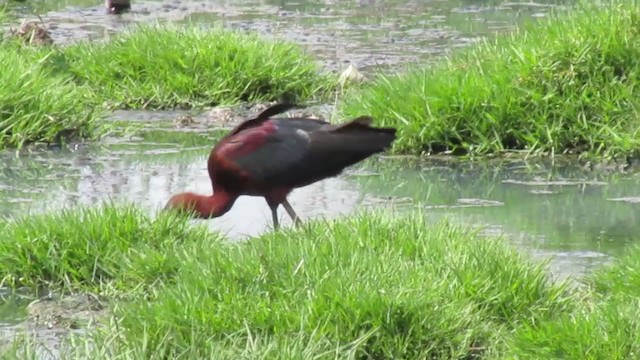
x: 368, y: 285
x: 39, y: 104
x: 567, y: 84
x: 170, y: 66
x: 59, y: 91
x: 36, y: 103
x: 364, y: 286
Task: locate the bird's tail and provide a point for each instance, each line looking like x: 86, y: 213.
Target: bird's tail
x: 365, y: 137
x: 334, y: 147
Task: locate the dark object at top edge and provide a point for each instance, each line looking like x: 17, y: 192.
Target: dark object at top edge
x: 117, y: 9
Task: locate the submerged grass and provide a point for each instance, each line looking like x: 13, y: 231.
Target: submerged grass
x: 366, y: 286
x: 563, y: 85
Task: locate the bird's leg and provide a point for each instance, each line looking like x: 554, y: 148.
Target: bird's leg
x: 274, y: 216
x: 291, y: 213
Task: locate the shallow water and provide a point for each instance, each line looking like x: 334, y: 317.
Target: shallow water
x: 577, y: 218
x: 366, y: 33
x: 557, y: 209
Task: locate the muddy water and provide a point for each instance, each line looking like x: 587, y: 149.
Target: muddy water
x: 561, y: 210
x: 367, y: 33
x: 146, y: 171
x: 577, y: 218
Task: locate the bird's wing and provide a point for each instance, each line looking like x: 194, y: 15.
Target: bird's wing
x: 264, y: 153
x: 291, y: 152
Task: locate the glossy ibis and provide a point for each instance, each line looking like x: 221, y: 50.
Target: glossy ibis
x: 269, y: 157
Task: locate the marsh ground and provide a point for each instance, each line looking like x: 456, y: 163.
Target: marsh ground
x: 578, y: 217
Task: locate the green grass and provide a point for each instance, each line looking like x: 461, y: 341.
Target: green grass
x: 38, y: 104
x: 4, y: 14
x: 368, y: 285
x: 365, y: 286
x: 92, y: 248
x: 563, y: 85
x: 606, y: 327
x: 609, y: 331
x: 55, y: 93
x: 170, y: 66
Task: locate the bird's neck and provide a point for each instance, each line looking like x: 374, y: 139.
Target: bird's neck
x: 207, y: 207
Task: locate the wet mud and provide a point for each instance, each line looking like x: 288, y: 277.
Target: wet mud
x: 51, y: 318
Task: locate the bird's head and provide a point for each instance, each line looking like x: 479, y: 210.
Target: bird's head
x: 200, y: 206
x: 183, y: 202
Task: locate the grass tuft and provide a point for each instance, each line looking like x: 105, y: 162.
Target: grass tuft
x: 50, y: 95
x: 370, y: 286
x: 622, y: 278
x: 605, y: 325
x: 365, y: 286
x: 566, y: 84
x: 90, y: 248
x: 169, y: 66
x: 609, y: 331
x: 36, y: 103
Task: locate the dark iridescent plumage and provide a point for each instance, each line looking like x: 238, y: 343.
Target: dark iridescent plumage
x: 269, y: 157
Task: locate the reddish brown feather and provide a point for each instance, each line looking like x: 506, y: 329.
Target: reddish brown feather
x: 237, y: 145
x: 242, y: 163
